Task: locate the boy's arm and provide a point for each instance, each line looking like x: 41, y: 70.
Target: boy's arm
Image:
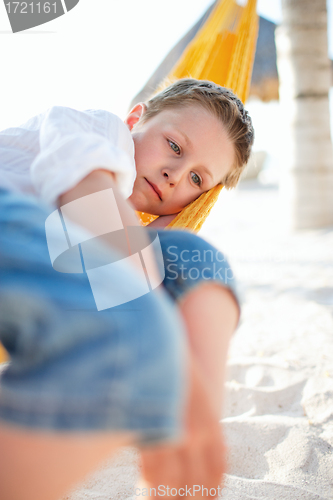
x: 73, y: 144
x: 96, y: 181
x: 99, y: 180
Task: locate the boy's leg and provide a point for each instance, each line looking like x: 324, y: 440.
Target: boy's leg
x: 46, y: 459
x: 45, y: 465
x: 200, y: 280
x: 80, y: 382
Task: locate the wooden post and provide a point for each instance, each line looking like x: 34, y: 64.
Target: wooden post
x: 304, y: 74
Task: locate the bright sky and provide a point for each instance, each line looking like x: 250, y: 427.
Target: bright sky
x: 98, y: 55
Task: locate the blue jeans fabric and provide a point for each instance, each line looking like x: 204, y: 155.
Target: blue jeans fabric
x: 73, y: 367
x: 189, y: 261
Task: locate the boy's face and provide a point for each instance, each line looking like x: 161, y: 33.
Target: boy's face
x: 179, y: 153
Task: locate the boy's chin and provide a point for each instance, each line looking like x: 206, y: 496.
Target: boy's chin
x: 140, y: 206
x: 143, y: 206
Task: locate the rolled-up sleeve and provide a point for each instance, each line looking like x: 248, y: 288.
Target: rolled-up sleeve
x: 74, y: 143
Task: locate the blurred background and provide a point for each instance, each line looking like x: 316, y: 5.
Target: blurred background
x: 100, y: 54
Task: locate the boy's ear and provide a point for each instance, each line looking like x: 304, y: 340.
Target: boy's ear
x: 135, y: 114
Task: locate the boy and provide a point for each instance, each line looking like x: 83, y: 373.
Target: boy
x: 187, y: 139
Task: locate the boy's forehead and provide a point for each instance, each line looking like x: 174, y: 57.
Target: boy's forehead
x: 192, y: 118
x: 185, y: 113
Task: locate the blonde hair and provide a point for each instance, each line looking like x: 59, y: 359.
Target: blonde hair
x: 222, y: 103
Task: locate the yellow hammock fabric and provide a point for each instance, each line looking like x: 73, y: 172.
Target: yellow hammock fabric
x: 3, y: 354
x: 223, y: 52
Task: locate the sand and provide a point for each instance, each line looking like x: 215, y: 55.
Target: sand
x: 278, y: 413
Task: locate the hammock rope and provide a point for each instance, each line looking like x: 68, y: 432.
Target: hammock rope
x: 223, y: 52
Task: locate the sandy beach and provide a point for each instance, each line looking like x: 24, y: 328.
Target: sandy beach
x: 278, y: 413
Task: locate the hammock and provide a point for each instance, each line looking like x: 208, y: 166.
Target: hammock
x: 3, y: 354
x: 223, y: 52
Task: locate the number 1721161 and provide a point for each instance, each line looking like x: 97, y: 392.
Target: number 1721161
x: 31, y: 8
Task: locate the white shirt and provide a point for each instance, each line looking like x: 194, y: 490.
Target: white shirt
x: 52, y: 152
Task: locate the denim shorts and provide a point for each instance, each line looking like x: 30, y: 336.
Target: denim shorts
x: 190, y: 261
x: 75, y: 368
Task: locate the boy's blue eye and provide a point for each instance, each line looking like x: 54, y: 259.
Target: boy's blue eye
x: 174, y: 147
x: 196, y: 179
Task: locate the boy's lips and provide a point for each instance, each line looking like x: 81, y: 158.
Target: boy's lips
x: 155, y: 188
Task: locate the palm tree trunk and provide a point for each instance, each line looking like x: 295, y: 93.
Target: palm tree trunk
x: 304, y: 73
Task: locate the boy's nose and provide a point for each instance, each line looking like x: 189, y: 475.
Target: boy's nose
x: 173, y: 176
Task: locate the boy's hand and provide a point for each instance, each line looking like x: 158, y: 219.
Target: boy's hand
x: 198, y: 459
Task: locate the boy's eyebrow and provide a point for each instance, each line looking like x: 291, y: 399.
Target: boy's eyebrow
x: 187, y: 139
